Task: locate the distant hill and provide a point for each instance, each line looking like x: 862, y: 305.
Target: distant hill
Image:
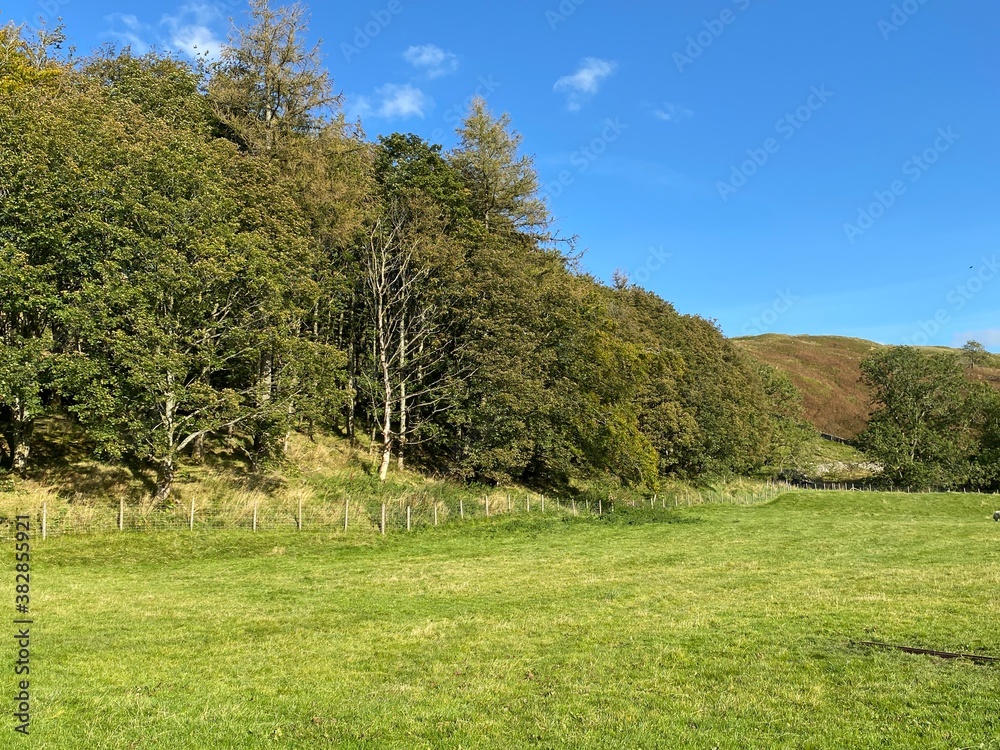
x: 826, y: 370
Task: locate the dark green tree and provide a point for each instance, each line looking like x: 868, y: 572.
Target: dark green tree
x: 920, y: 429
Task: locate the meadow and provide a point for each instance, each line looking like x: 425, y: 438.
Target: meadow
x: 716, y: 626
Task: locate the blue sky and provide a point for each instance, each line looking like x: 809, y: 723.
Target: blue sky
x: 821, y: 168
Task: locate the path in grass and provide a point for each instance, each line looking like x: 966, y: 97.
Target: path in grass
x: 723, y: 627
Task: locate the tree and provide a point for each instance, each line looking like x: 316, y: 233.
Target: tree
x: 503, y: 184
x: 268, y: 87
x: 25, y: 63
x: 920, y: 429
x: 975, y: 354
x: 408, y: 341
x: 790, y: 431
x: 39, y: 220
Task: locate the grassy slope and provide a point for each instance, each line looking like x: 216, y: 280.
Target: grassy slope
x: 826, y: 370
x: 729, y: 627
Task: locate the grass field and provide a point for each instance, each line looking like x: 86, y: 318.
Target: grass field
x: 715, y: 626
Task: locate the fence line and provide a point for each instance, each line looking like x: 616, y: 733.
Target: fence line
x: 355, y: 516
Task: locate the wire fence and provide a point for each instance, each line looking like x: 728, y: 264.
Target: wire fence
x: 346, y: 515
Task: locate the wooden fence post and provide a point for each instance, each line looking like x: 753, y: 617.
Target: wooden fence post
x: 509, y: 508
x: 191, y: 520
x: 527, y: 503
x: 121, y: 514
x: 408, y: 518
x: 45, y: 520
x: 435, y: 513
x: 255, y: 501
x: 347, y: 510
x: 461, y: 508
x: 382, y: 526
x: 543, y: 503
x: 574, y: 506
x: 298, y: 521
x: 600, y: 506
x: 486, y: 501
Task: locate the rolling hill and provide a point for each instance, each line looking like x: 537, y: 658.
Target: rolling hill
x: 827, y: 371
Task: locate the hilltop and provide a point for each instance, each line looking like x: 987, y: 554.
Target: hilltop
x: 827, y: 372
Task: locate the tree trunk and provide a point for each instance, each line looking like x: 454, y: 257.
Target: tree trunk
x: 18, y: 437
x: 401, y: 449
x: 265, y: 388
x: 352, y: 366
x: 383, y: 470
x: 198, y: 449
x: 22, y: 447
x: 165, y: 471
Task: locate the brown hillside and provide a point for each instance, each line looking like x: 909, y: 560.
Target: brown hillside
x: 827, y: 372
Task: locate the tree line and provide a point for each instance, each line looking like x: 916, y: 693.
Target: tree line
x: 200, y: 256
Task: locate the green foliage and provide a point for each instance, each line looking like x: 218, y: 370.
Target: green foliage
x: 503, y: 184
x: 209, y: 254
x: 922, y: 429
x: 975, y: 354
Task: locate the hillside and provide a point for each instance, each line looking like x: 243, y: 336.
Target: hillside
x: 826, y: 370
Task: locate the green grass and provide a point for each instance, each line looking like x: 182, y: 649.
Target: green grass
x: 715, y: 626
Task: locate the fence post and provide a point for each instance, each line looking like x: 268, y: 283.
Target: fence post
x: 255, y: 501
x: 347, y: 510
x: 298, y: 521
x: 407, y: 517
x: 486, y: 501
x: 600, y: 506
x: 121, y: 514
x: 509, y: 508
x: 191, y: 520
x: 382, y: 526
x: 527, y: 503
x: 574, y: 506
x: 461, y: 508
x: 45, y: 520
x: 543, y: 503
x: 435, y: 513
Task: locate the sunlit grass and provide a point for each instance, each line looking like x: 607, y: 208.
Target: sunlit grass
x: 714, y: 626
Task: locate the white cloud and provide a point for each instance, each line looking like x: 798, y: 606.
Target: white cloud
x: 128, y: 29
x: 668, y: 112
x: 393, y: 101
x: 990, y: 338
x: 432, y: 59
x: 585, y: 82
x: 190, y: 31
